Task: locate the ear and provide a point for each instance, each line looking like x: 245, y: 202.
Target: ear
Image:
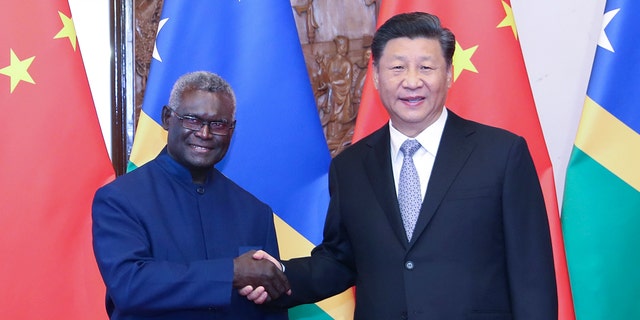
x: 166, y: 114
x: 375, y: 77
x: 450, y: 76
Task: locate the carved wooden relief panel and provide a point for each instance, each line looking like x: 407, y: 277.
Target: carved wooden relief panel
x: 146, y: 19
x: 335, y: 38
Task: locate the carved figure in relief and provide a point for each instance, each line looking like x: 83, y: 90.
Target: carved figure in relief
x: 311, y: 22
x: 320, y: 83
x: 359, y: 75
x: 339, y: 72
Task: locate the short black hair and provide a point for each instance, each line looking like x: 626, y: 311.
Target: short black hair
x: 413, y: 25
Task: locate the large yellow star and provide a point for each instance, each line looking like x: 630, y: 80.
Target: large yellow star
x: 462, y: 60
x: 17, y: 70
x: 508, y: 21
x: 68, y: 30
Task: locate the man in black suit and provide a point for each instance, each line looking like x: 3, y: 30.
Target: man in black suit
x: 480, y: 248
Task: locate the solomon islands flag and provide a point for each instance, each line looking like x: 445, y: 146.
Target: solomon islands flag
x: 601, y: 209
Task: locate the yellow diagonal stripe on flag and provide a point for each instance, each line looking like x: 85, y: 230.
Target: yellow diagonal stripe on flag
x: 154, y: 137
x: 610, y: 142
x: 298, y: 246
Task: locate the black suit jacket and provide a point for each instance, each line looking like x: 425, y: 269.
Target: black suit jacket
x: 481, y: 248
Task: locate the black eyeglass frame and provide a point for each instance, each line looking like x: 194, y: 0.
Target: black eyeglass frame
x: 193, y: 123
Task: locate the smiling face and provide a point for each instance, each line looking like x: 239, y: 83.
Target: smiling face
x: 412, y: 79
x: 198, y: 150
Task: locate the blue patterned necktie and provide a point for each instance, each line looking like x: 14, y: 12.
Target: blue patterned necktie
x: 409, y: 195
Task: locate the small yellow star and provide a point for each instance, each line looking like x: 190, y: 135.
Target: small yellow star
x: 68, y: 30
x: 17, y: 70
x: 508, y: 21
x: 462, y: 60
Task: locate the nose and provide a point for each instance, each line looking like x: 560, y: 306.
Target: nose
x: 204, y: 132
x: 412, y: 79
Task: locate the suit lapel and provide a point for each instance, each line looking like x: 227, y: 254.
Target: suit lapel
x: 377, y: 164
x: 453, y: 152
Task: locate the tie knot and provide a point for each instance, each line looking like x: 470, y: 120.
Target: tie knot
x: 409, y: 147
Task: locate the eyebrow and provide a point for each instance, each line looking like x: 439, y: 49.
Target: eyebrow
x: 420, y: 58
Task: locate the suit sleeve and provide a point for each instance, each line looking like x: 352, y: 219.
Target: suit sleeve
x: 527, y: 239
x: 330, y: 268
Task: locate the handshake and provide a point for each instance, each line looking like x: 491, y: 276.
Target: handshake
x: 259, y: 277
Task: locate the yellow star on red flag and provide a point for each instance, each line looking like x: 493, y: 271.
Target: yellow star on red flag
x: 508, y: 20
x: 54, y: 85
x: 18, y: 70
x: 68, y: 30
x: 462, y: 60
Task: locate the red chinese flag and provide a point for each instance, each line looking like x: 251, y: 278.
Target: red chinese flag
x: 53, y: 158
x: 490, y: 86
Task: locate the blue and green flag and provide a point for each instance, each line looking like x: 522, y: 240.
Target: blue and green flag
x: 601, y: 208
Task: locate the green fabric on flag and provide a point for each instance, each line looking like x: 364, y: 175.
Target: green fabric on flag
x: 601, y: 225
x: 308, y: 312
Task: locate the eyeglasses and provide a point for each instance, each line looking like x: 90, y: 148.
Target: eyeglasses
x: 217, y: 127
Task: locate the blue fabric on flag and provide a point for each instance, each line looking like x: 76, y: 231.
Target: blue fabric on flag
x: 615, y: 87
x: 278, y: 151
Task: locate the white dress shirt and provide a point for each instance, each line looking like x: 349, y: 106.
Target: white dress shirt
x: 424, y: 158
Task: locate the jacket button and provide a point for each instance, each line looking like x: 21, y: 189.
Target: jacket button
x: 408, y: 265
x: 200, y: 190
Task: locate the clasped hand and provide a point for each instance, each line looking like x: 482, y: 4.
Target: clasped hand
x: 258, y: 276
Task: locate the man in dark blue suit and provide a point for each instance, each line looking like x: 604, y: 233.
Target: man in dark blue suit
x: 173, y: 239
x: 476, y: 245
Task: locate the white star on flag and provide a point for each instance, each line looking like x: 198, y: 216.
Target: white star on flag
x: 156, y: 54
x: 603, y: 41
